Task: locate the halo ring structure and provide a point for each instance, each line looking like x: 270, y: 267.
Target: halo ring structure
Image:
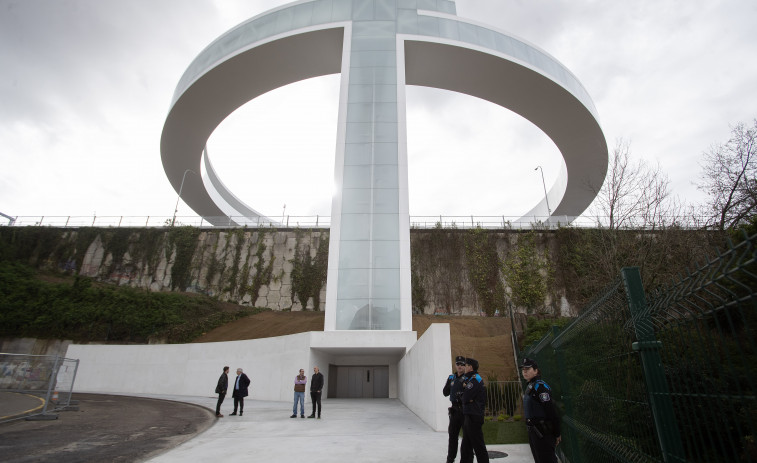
x: 438, y: 50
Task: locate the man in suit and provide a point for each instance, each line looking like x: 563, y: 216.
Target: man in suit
x: 316, y: 387
x: 223, y: 385
x: 240, y: 391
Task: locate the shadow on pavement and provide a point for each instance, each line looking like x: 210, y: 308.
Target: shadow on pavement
x: 105, y: 428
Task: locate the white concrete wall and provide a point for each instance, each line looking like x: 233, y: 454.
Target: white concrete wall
x: 422, y: 373
x: 271, y: 363
x: 193, y: 369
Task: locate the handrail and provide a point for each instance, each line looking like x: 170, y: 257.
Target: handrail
x: 324, y: 222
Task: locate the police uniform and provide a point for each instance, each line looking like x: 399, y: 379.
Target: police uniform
x: 453, y: 388
x: 542, y: 420
x: 474, y: 404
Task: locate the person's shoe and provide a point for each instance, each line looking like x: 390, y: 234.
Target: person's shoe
x: 311, y: 416
x: 233, y: 414
x: 319, y: 417
x: 302, y: 416
x: 240, y: 413
x: 218, y: 415
x: 293, y: 416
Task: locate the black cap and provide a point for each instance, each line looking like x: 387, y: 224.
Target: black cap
x: 460, y: 360
x: 472, y: 362
x: 528, y: 363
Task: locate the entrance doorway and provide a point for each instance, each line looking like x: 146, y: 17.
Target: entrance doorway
x: 356, y: 382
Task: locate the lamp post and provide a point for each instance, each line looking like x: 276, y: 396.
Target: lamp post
x: 181, y: 187
x: 546, y: 198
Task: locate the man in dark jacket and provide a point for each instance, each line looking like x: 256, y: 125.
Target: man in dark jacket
x: 223, y: 385
x: 316, y: 387
x: 474, y: 404
x: 240, y: 391
x: 453, y: 388
x: 542, y: 421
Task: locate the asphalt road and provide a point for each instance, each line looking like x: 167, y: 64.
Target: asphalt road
x: 105, y: 428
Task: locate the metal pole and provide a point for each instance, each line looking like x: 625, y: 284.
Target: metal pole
x: 181, y: 187
x: 546, y: 198
x: 648, y: 347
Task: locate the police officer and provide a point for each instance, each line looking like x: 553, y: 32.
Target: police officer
x: 541, y: 415
x: 453, y: 388
x: 474, y: 403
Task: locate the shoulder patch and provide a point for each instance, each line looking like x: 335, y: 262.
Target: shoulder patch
x: 469, y: 385
x: 544, y: 397
x: 451, y: 377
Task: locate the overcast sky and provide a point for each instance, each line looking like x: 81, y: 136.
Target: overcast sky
x: 85, y: 86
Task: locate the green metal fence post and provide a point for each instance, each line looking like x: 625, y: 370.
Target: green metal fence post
x: 567, y: 398
x: 654, y: 375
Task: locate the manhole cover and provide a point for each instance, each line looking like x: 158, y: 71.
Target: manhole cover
x: 496, y: 454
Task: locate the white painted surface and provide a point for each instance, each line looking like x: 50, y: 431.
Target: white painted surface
x: 271, y: 363
x: 423, y: 371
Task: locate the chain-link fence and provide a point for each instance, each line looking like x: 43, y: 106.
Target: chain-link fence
x: 662, y: 377
x: 48, y: 378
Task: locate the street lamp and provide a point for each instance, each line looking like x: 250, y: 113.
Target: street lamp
x: 181, y: 187
x: 546, y: 198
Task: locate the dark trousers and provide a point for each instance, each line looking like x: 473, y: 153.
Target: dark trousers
x: 315, y: 397
x: 456, y: 419
x: 221, y: 396
x: 473, y: 440
x: 238, y: 401
x: 542, y: 448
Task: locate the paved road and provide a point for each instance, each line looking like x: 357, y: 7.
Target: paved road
x: 106, y: 428
x: 181, y: 429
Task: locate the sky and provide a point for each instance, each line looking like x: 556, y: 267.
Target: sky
x: 85, y: 86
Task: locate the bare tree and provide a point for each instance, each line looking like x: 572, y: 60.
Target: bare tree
x: 729, y: 177
x: 634, y: 195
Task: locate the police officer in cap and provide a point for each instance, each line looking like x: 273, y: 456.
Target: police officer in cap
x: 542, y: 421
x: 453, y: 388
x: 474, y: 404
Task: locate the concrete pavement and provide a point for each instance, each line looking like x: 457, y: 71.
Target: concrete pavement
x: 351, y: 430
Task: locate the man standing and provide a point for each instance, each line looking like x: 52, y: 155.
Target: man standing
x: 474, y: 404
x: 316, y: 386
x: 223, y: 385
x: 542, y: 421
x: 453, y: 388
x: 240, y: 391
x: 299, y: 394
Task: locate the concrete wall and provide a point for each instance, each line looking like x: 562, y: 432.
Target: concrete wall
x: 253, y: 267
x: 416, y: 369
x: 424, y: 369
x: 193, y: 369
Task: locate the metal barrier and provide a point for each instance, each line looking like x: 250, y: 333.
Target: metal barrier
x: 664, y: 377
x: 46, y: 377
x: 501, y: 222
x: 504, y: 399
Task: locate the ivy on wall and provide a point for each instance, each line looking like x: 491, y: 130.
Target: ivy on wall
x: 309, y: 272
x: 182, y: 241
x: 437, y: 275
x: 483, y: 266
x: 263, y: 271
x: 528, y: 273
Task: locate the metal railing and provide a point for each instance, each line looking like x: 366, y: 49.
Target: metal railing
x: 504, y: 399
x: 49, y: 378
x: 662, y: 377
x: 320, y: 221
